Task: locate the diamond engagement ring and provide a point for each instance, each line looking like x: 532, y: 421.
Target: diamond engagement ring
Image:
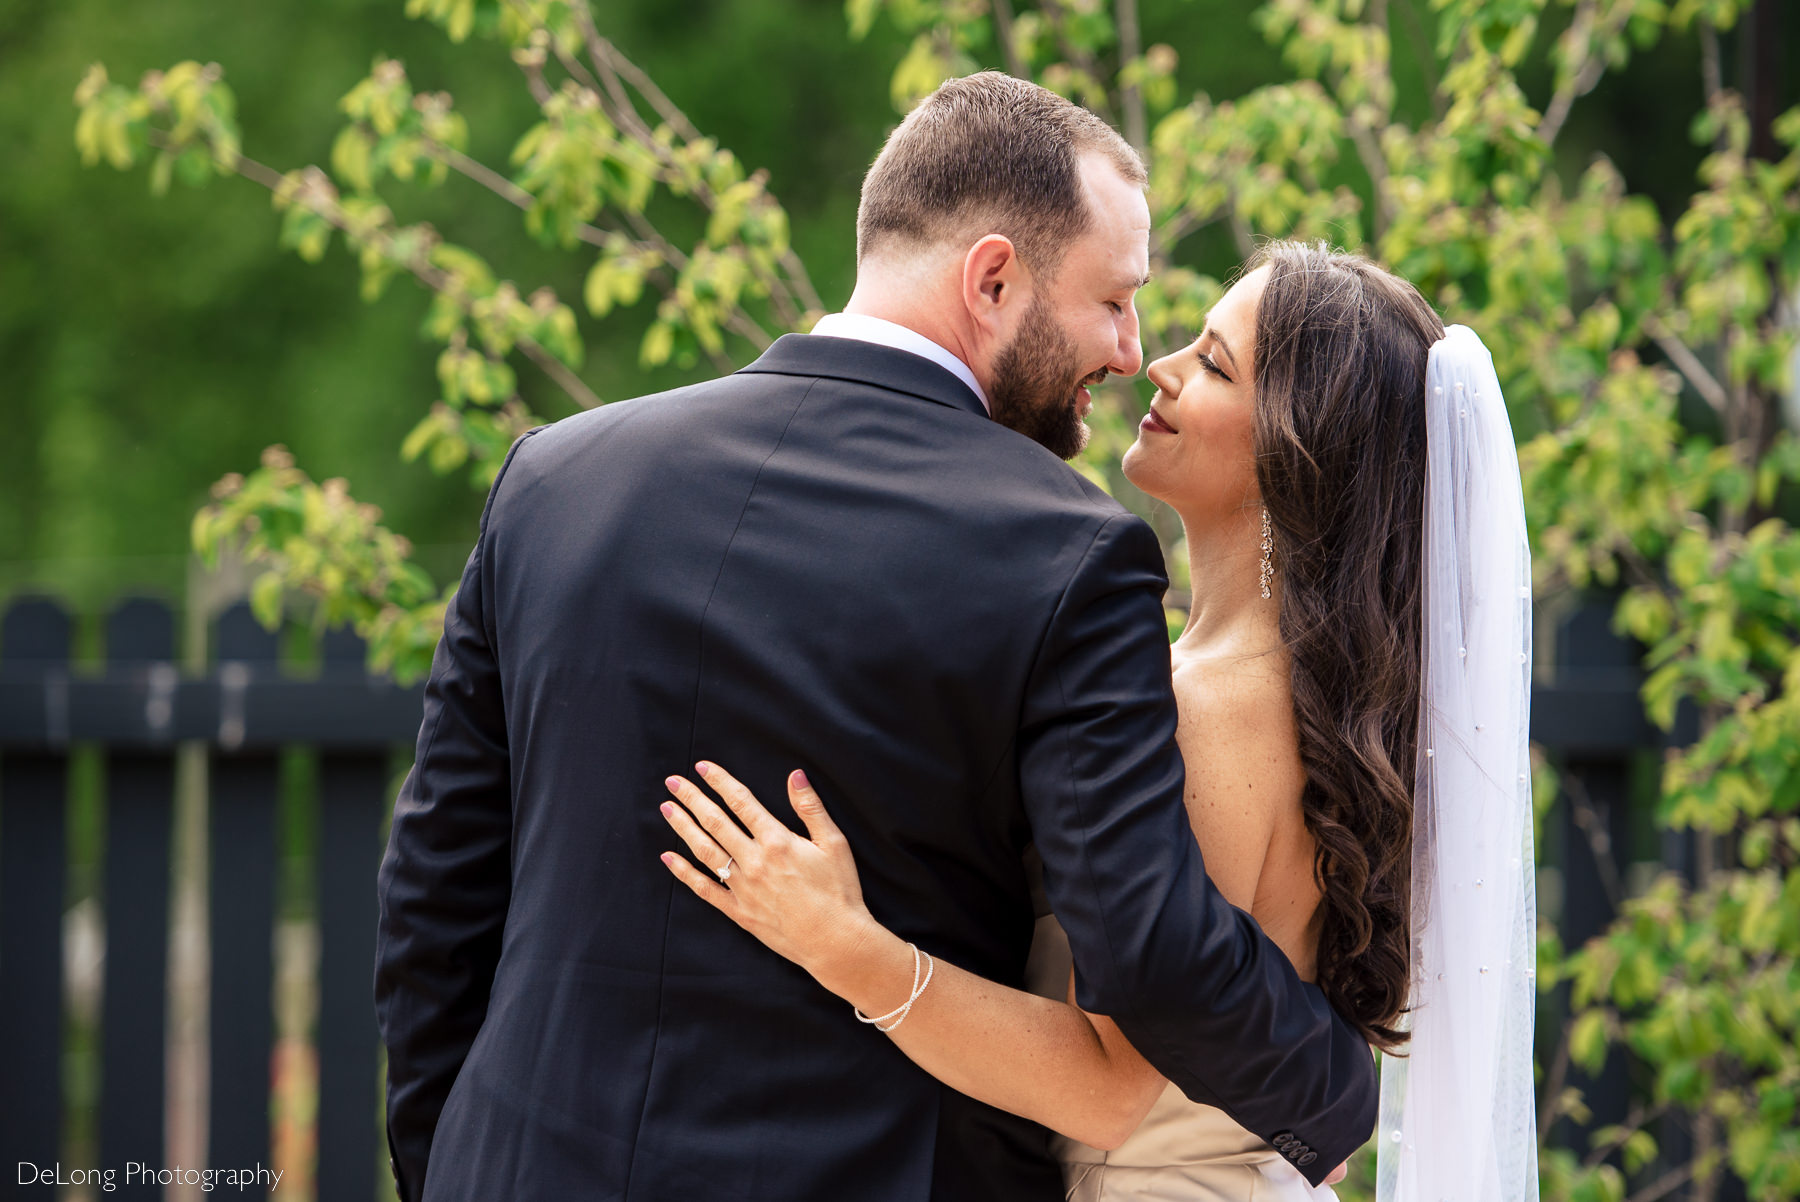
x: 725, y: 872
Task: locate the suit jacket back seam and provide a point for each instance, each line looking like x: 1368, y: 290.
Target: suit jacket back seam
x: 693, y: 722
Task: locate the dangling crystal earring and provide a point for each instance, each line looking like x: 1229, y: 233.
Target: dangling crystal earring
x: 1268, y: 548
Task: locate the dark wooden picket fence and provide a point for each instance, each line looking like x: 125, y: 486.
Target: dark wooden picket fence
x: 245, y: 710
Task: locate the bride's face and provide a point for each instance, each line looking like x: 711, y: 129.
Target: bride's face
x: 1194, y: 450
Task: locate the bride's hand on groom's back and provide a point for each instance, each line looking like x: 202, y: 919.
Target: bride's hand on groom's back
x: 801, y: 897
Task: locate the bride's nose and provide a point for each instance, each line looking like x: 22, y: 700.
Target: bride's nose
x: 1162, y: 374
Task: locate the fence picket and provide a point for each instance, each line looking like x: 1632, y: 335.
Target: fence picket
x: 1596, y: 810
x: 140, y: 792
x: 244, y: 784
x: 34, y: 650
x: 353, y: 787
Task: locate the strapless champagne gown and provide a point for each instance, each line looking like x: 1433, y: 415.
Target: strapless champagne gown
x: 1182, y: 1152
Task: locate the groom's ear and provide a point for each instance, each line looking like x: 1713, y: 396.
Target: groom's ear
x: 996, y: 288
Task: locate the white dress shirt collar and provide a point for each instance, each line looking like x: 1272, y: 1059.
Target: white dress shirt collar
x: 882, y: 332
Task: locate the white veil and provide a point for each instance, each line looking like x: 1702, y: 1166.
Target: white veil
x: 1457, y: 1114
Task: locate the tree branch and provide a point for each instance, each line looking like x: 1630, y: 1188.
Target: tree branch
x: 1630, y: 1125
x: 1003, y: 33
x: 1362, y: 135
x: 1240, y: 230
x: 1363, y: 138
x: 1082, y: 60
x: 604, y: 58
x: 498, y: 184
x: 790, y: 288
x: 1131, y: 97
x: 542, y: 38
x: 1554, y: 1076
x: 634, y: 75
x: 625, y: 115
x: 581, y: 74
x: 1712, y: 77
x: 1665, y: 1185
x: 430, y: 276
x: 1599, y: 839
x: 561, y: 373
x: 800, y: 281
x: 1415, y: 33
x: 739, y: 322
x: 1585, y: 24
x: 1688, y: 363
x: 531, y: 62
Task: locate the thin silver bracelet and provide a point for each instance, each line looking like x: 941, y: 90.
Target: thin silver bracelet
x: 899, y: 1016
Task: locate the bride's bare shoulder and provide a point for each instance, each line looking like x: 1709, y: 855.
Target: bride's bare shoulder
x: 1244, y: 783
x: 1241, y: 706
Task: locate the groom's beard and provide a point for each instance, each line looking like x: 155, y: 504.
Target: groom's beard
x: 1037, y: 383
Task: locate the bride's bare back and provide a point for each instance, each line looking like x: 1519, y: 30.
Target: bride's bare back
x: 1243, y: 792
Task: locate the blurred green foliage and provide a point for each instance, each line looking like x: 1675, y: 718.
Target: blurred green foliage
x: 154, y: 343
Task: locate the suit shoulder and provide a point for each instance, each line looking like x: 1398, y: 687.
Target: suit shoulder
x: 654, y: 419
x: 1007, y: 454
x: 603, y: 419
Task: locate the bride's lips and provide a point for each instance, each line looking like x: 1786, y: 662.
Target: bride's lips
x: 1154, y: 424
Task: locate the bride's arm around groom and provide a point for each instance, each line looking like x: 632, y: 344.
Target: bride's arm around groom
x: 1189, y: 978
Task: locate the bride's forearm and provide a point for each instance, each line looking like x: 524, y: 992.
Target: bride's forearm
x: 1038, y: 1058
x: 1045, y: 1060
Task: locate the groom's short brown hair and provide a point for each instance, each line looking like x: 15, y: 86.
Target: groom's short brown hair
x: 988, y: 154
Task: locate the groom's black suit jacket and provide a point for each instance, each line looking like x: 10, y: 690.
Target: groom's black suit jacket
x: 831, y: 560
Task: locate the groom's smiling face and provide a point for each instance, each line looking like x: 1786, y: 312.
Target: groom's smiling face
x: 1081, y: 324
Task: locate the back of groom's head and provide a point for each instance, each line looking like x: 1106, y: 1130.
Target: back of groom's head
x: 987, y: 154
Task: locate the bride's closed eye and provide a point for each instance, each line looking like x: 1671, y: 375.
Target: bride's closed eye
x: 1207, y: 364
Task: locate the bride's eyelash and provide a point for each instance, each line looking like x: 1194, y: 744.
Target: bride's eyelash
x: 1207, y: 364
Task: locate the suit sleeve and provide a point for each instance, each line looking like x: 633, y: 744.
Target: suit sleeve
x: 1193, y: 982
x: 446, y: 878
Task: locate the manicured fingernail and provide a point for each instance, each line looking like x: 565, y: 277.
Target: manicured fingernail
x: 674, y: 783
x: 666, y: 808
x: 668, y: 858
x: 798, y: 780
x: 703, y: 768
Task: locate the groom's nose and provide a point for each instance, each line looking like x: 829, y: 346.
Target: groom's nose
x: 1128, y: 354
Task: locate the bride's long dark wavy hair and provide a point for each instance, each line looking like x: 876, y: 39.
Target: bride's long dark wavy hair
x: 1341, y: 352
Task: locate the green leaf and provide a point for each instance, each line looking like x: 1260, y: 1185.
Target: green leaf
x: 200, y: 535
x: 448, y: 453
x: 1587, y: 1040
x: 658, y: 345
x: 1785, y: 798
x: 498, y: 380
x: 598, y: 291
x: 161, y: 168
x: 861, y: 15
x: 420, y: 437
x: 350, y: 157
x: 265, y: 599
